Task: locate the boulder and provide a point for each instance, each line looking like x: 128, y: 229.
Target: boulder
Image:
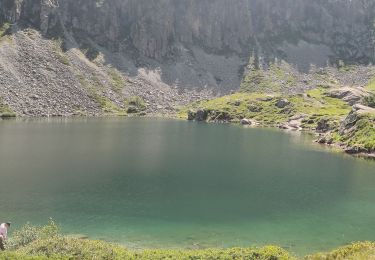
x: 354, y: 116
x: 282, y: 103
x: 191, y: 115
x: 201, y: 115
x: 362, y: 109
x: 245, y: 121
x: 265, y: 99
x: 350, y: 95
x: 323, y: 125
x: 132, y: 110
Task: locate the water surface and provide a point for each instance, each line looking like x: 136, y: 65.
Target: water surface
x: 165, y: 183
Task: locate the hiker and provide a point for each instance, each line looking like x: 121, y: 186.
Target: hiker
x: 3, y: 234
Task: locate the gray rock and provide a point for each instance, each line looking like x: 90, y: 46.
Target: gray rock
x: 350, y: 95
x: 323, y: 125
x: 191, y: 115
x: 245, y: 121
x: 201, y: 115
x: 132, y: 110
x: 282, y: 103
x: 255, y: 108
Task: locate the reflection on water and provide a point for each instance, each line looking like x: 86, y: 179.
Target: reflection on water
x: 164, y: 183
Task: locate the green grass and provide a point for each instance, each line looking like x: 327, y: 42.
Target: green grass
x: 371, y: 85
x: 258, y: 81
x: 4, y: 34
x: 275, y: 79
x: 46, y: 242
x: 364, y: 134
x: 5, y: 111
x: 4, y: 29
x: 117, y: 81
x: 136, y: 102
x: 260, y: 107
x: 61, y: 56
x: 94, y: 88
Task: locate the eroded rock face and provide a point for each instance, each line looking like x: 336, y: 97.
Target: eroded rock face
x: 155, y: 27
x: 195, y: 42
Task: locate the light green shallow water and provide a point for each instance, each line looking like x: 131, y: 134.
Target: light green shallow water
x: 165, y: 183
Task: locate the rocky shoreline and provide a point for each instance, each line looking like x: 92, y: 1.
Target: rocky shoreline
x: 352, y: 130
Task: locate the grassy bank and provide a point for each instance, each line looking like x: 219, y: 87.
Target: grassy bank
x: 267, y: 110
x: 46, y: 242
x: 314, y: 110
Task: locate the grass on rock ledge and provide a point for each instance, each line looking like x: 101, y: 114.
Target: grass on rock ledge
x: 46, y: 242
x: 313, y: 104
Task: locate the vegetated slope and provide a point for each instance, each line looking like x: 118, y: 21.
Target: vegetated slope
x: 166, y: 52
x: 46, y: 242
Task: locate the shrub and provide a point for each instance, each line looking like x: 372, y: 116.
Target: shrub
x: 369, y: 101
x: 28, y: 234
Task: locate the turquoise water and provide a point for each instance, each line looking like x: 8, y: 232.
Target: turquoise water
x: 164, y: 183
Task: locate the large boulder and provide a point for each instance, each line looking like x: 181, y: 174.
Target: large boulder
x: 201, y: 115
x: 348, y: 94
x: 245, y: 121
x: 354, y: 116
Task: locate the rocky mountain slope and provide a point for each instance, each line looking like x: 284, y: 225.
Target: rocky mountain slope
x: 91, y: 57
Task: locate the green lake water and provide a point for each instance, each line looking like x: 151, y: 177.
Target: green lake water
x: 149, y: 183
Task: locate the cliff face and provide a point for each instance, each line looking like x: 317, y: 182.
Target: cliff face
x: 157, y: 28
x: 202, y: 43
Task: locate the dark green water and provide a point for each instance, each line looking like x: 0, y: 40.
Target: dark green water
x: 164, y: 183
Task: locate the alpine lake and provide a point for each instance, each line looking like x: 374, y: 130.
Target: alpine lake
x: 160, y: 183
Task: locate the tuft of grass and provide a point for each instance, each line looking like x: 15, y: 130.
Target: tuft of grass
x: 257, y: 81
x: 371, y: 85
x: 57, y: 43
x: 117, y: 81
x: 5, y: 111
x: 94, y: 90
x: 4, y: 28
